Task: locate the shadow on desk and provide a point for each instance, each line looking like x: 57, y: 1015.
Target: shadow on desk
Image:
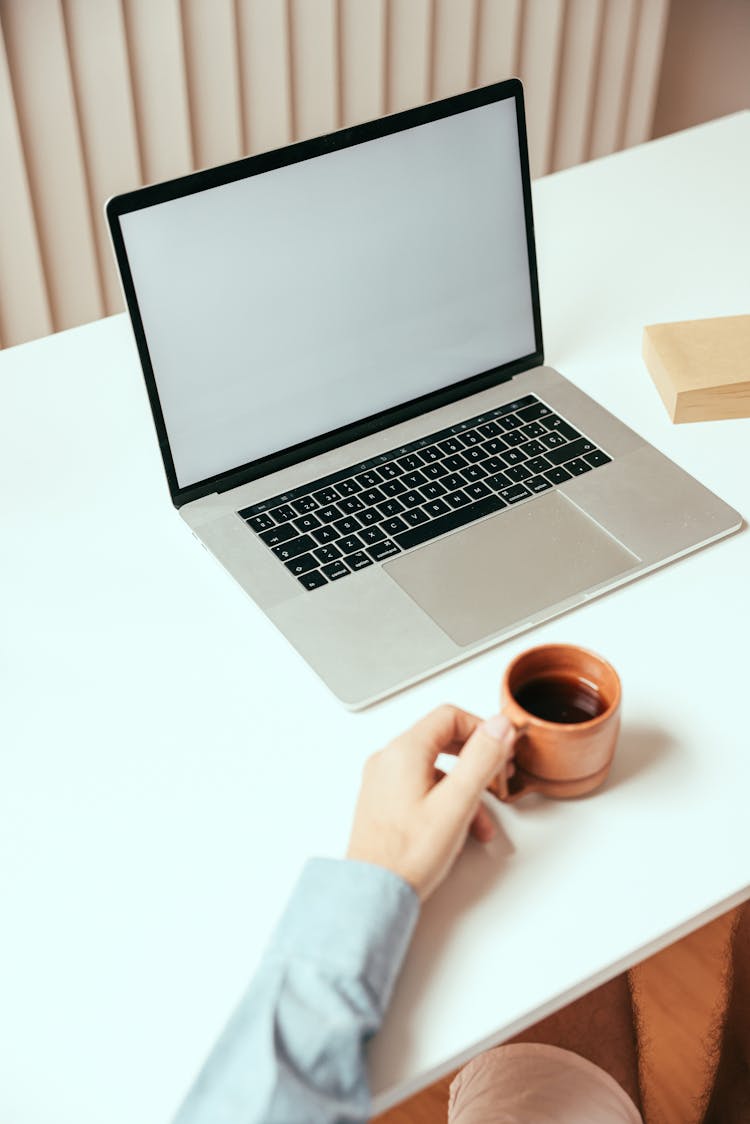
x: 639, y: 749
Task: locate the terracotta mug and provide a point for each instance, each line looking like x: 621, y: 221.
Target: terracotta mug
x: 565, y: 703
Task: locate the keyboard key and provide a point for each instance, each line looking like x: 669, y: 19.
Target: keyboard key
x: 433, y: 471
x: 494, y: 464
x: 563, y: 427
x: 372, y: 535
x: 490, y: 429
x: 451, y: 445
x: 515, y: 437
x: 393, y: 487
x: 368, y: 516
x: 305, y: 505
x: 511, y: 421
x: 534, y: 449
x: 457, y: 499
x: 433, y: 491
x: 597, y: 458
x: 390, y: 508
x: 307, y: 523
x: 313, y: 580
x: 301, y: 564
x: 514, y: 456
x: 369, y: 479
x: 553, y: 440
x: 393, y: 526
x: 327, y: 553
x: 453, y: 464
x: 336, y: 570
x: 372, y: 496
x: 577, y: 467
x: 325, y: 534
x: 566, y: 451
x: 449, y: 522
x: 517, y: 473
x: 349, y: 544
x: 350, y: 505
x: 410, y: 462
x: 499, y: 480
x: 278, y: 534
x: 326, y: 496
x: 390, y: 470
x: 558, y: 475
x: 348, y: 525
x: 532, y: 430
x: 283, y: 513
x: 531, y: 413
x: 385, y: 549
x: 474, y: 472
x: 538, y: 484
x: 431, y: 453
x: 328, y: 514
x: 515, y: 493
x: 436, y: 508
x: 538, y: 464
x: 347, y: 487
x: 415, y: 517
x: 477, y: 453
x: 358, y: 561
x: 452, y: 481
x: 478, y: 491
x: 470, y: 437
x: 261, y: 523
x: 495, y: 445
x: 293, y: 548
x: 414, y: 479
x: 412, y: 499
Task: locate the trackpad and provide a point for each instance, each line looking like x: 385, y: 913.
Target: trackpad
x: 488, y: 577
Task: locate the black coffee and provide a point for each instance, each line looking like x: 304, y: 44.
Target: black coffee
x: 560, y: 699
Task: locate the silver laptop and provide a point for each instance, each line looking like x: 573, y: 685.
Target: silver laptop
x: 341, y: 342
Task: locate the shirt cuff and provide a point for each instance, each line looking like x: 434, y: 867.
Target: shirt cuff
x: 350, y: 918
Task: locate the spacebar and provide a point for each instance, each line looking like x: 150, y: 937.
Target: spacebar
x: 451, y: 522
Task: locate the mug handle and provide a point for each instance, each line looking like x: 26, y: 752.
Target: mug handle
x: 521, y: 782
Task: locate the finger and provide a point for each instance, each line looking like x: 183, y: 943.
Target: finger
x: 483, y: 756
x: 483, y: 826
x: 443, y: 730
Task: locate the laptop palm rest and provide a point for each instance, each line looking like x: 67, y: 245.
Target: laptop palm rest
x: 486, y: 578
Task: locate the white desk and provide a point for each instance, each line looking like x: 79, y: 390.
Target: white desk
x: 167, y: 762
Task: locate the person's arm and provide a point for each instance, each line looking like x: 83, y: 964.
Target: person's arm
x: 295, y: 1048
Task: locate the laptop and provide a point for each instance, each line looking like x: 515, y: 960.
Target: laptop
x: 342, y: 347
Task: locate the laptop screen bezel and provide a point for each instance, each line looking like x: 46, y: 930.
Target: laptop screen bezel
x: 281, y: 157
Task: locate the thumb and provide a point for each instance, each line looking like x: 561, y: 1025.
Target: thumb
x: 483, y: 756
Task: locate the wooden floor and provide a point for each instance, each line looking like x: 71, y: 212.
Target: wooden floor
x: 680, y: 993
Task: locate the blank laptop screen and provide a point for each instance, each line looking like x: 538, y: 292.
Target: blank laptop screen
x: 290, y: 303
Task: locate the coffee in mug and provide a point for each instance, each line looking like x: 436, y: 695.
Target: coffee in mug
x: 561, y: 699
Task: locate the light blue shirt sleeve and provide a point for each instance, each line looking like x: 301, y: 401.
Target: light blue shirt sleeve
x: 294, y: 1050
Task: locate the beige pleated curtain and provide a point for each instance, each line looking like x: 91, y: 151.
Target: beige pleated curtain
x: 100, y: 96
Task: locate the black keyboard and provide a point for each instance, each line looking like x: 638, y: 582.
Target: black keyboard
x: 403, y: 498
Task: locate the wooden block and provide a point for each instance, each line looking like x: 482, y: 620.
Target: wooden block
x: 701, y: 368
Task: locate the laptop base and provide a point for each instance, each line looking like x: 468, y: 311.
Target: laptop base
x: 383, y: 629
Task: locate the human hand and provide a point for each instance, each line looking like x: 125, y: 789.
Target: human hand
x: 414, y: 820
